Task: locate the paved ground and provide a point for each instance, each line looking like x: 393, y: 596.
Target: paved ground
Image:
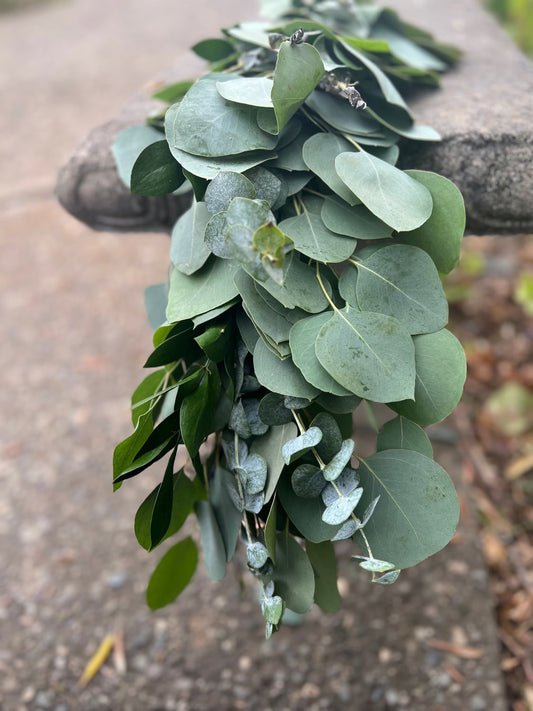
x: 71, y: 570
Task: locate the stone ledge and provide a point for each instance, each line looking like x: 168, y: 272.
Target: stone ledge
x: 483, y: 111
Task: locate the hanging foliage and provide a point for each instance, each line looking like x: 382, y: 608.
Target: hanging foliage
x: 304, y: 279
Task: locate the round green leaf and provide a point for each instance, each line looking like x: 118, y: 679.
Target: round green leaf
x: 188, y: 251
x: 253, y: 91
x: 356, y: 221
x: 172, y: 574
x: 205, y: 124
x: 209, y: 168
x: 312, y: 238
x: 401, y: 433
x: 370, y: 354
x: 442, y: 234
x: 402, y: 281
x: 226, y: 186
x: 280, y: 376
x: 302, y: 339
x: 319, y: 153
x: 440, y: 377
x: 418, y: 508
x: 397, y: 199
x: 307, y: 481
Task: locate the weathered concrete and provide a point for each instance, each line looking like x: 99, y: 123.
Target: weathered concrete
x: 483, y: 112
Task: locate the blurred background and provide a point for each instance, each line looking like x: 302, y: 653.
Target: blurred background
x: 74, y: 337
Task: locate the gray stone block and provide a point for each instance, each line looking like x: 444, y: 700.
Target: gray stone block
x: 484, y: 113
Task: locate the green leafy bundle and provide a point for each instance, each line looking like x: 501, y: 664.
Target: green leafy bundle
x: 304, y: 279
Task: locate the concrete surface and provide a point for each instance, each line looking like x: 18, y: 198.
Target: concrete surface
x: 74, y: 338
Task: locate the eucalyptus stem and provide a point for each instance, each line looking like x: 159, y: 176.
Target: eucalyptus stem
x: 241, y: 492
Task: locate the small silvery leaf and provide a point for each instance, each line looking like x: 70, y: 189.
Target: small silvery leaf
x: 256, y: 555
x: 368, y: 512
x: 275, y: 39
x: 373, y: 564
x: 251, y: 408
x: 340, y: 510
x: 238, y: 422
x: 334, y: 469
x: 269, y: 588
x: 254, y: 502
x: 389, y: 578
x: 255, y: 471
x: 269, y: 628
x: 345, y: 483
x: 298, y: 446
x: 272, y: 609
x: 347, y: 530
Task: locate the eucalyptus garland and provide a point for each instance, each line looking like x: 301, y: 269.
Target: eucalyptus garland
x: 304, y: 280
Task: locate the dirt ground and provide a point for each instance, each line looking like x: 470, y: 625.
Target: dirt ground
x: 71, y: 569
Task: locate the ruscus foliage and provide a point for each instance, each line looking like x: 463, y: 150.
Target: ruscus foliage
x: 304, y: 279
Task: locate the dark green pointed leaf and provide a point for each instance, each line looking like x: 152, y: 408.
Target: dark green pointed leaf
x: 441, y: 235
x: 212, y: 286
x: 213, y: 49
x: 356, y: 221
x: 307, y: 481
x: 322, y: 557
x: 297, y: 447
x: 319, y: 153
x: 401, y: 433
x: 312, y: 238
x: 172, y: 574
x: 370, y: 354
x: 156, y: 171
x: 207, y: 125
x: 298, y: 71
x: 293, y: 575
x: 162, y: 511
x: 280, y: 376
x: 302, y: 339
x: 149, y: 387
x: 215, y: 341
x: 397, y: 199
x: 182, y: 503
x: 402, y: 281
x: 440, y: 376
x: 173, y: 92
x: 125, y: 451
x: 197, y: 410
x: 178, y: 344
x: 212, y: 543
x: 418, y: 509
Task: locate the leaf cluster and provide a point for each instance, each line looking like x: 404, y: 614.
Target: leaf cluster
x: 304, y: 279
